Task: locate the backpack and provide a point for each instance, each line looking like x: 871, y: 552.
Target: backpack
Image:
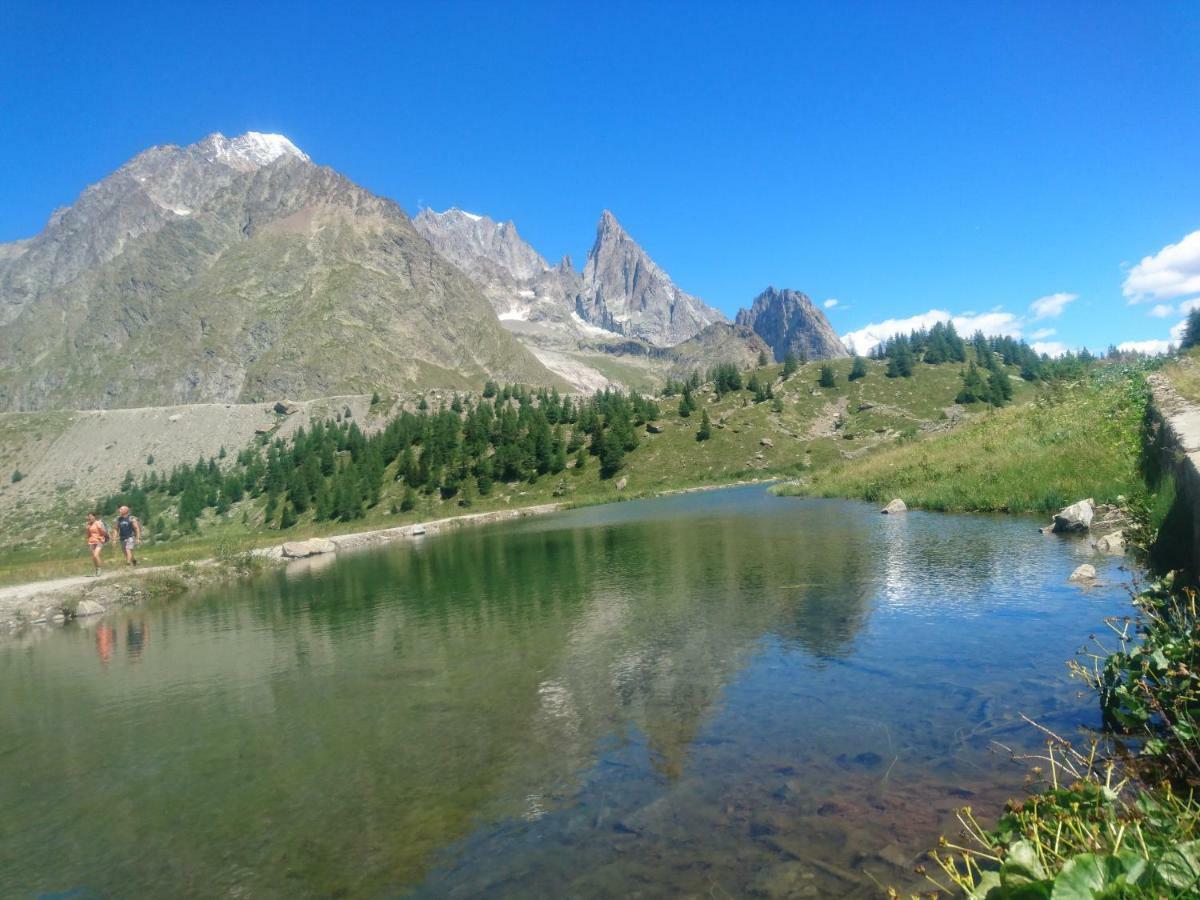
x: 107, y: 531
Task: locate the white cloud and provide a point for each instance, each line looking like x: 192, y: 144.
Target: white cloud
x: 990, y: 323
x: 1052, y: 305
x: 831, y: 303
x: 1188, y: 305
x: 1174, y: 271
x: 1152, y: 348
x: 1050, y: 348
x: 1178, y: 329
x: 1162, y: 310
x: 1042, y: 333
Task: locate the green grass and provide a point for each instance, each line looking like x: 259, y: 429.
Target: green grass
x: 813, y: 430
x: 1074, y: 440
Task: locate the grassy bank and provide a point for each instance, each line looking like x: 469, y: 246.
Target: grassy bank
x: 1075, y: 439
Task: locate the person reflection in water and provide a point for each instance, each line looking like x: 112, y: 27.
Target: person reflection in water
x: 106, y: 642
x: 137, y: 635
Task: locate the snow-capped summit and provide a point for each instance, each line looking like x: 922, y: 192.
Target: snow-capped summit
x: 250, y: 150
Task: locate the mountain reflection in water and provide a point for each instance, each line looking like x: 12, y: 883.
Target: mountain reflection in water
x: 720, y: 689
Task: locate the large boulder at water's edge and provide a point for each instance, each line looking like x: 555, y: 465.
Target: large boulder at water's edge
x: 1112, y: 544
x: 87, y: 607
x: 1076, y: 517
x: 896, y: 506
x: 311, y: 547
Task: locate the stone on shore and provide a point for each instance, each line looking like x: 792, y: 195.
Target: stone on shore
x: 1076, y: 517
x: 1085, y: 574
x: 621, y: 482
x: 896, y: 506
x: 1112, y: 544
x: 88, y: 607
x: 311, y: 547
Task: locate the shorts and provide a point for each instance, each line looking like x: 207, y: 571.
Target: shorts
x: 129, y: 543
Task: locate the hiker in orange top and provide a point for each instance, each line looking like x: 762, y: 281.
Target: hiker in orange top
x: 97, y: 537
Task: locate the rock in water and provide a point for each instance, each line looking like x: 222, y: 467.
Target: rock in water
x: 896, y: 506
x: 1076, y: 517
x: 88, y: 608
x: 312, y: 547
x: 1085, y: 574
x: 1112, y: 544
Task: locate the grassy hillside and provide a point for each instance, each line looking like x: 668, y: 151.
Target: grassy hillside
x: 1183, y: 373
x: 1075, y: 439
x: 806, y: 429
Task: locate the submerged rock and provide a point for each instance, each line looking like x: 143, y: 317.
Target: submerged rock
x: 896, y: 506
x: 1085, y: 574
x: 1076, y: 517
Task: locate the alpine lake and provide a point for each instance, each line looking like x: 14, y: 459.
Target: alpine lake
x: 717, y: 694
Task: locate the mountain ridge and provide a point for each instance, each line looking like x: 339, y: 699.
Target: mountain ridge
x: 205, y: 273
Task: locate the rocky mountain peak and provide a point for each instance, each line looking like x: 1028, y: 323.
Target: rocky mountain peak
x: 789, y: 321
x: 482, y: 247
x: 248, y: 151
x: 625, y: 291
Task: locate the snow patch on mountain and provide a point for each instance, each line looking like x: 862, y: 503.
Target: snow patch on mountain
x: 250, y: 150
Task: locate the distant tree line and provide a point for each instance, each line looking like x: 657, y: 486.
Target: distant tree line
x: 985, y: 378
x: 457, y: 452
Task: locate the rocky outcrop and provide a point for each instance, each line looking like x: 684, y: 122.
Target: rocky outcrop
x: 790, y: 322
x: 896, y: 506
x: 625, y: 291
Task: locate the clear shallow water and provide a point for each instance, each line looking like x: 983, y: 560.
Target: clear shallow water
x: 712, y: 693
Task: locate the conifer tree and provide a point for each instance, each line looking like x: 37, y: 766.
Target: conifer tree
x: 859, y: 369
x: 705, y: 431
x: 790, y: 364
x: 1191, y: 331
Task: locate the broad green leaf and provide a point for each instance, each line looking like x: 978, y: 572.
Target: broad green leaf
x: 1080, y: 879
x: 1180, y: 866
x: 1021, y: 865
x: 988, y: 881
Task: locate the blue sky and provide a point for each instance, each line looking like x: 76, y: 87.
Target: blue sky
x: 900, y: 157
